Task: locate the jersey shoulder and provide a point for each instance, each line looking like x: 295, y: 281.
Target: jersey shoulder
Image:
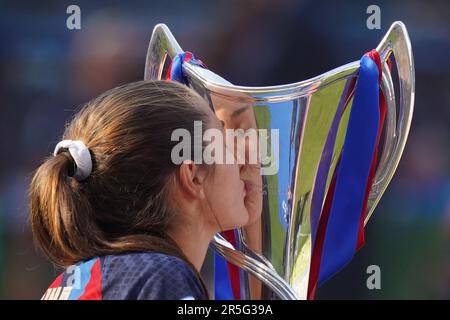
x: 150, y: 276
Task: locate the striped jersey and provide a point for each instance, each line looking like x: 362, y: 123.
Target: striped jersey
x: 130, y: 276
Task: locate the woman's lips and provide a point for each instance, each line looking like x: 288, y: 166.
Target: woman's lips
x: 252, y: 188
x: 247, y: 187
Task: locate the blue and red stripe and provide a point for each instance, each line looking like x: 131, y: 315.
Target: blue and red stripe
x: 340, y: 232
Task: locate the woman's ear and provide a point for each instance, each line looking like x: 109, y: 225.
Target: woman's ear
x: 192, y: 179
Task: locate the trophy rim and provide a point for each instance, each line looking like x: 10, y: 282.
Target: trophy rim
x: 273, y: 93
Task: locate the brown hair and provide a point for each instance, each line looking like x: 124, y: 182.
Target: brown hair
x: 122, y: 206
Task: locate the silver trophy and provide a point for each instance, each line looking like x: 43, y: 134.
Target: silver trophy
x: 275, y: 250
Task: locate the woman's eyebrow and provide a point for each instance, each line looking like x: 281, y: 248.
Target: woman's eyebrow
x: 238, y: 111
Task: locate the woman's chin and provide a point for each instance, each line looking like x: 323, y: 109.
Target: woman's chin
x: 254, y: 209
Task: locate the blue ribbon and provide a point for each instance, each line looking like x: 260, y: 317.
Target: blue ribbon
x: 176, y: 72
x: 353, y: 172
x: 222, y: 283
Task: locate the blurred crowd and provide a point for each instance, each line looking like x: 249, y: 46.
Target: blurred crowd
x: 48, y: 71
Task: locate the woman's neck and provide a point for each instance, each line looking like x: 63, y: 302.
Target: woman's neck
x: 193, y: 240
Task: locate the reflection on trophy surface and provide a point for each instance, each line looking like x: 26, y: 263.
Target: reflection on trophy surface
x: 303, y: 183
x: 242, y: 116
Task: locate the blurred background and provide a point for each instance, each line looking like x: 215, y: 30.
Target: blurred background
x: 47, y: 71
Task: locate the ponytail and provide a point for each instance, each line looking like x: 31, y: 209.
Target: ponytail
x: 54, y: 198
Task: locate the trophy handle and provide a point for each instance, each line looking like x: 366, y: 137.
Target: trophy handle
x: 395, y: 41
x: 162, y: 44
x: 258, y: 269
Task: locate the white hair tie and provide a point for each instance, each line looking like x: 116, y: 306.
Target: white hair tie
x: 80, y: 154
